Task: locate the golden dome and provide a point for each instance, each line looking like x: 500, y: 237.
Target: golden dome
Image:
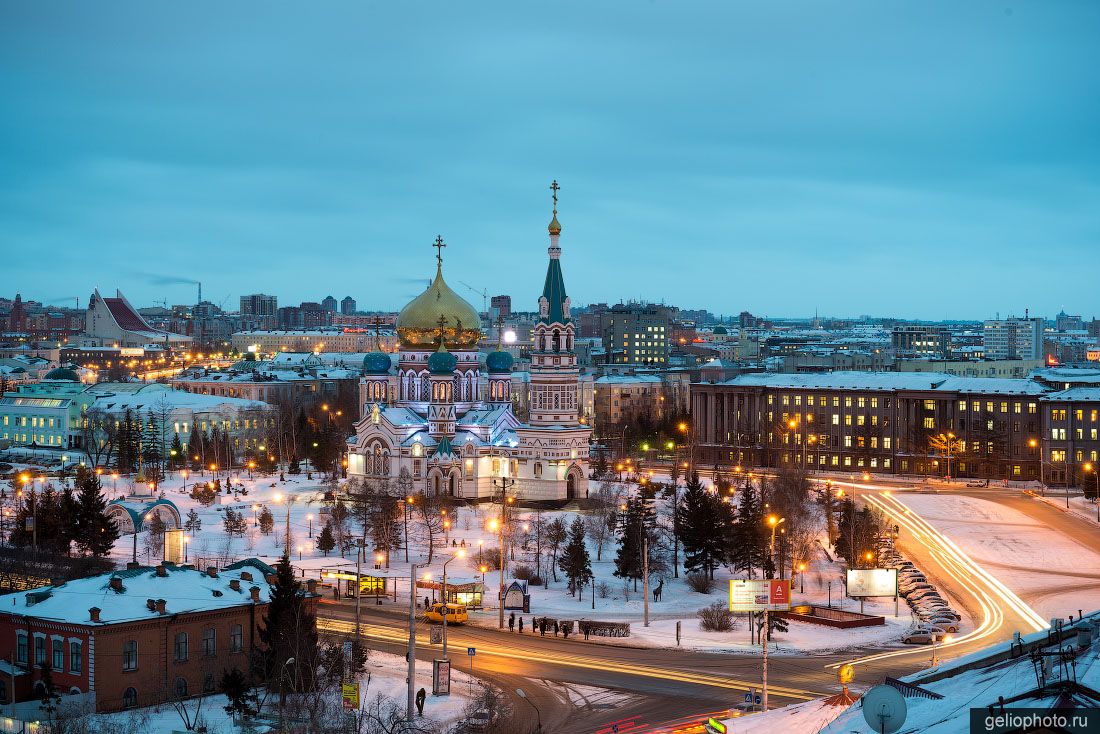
x: 554, y: 227
x: 418, y: 322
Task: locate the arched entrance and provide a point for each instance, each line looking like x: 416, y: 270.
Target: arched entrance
x: 571, y: 486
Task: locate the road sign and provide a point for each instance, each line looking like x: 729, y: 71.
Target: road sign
x: 471, y: 651
x: 436, y: 635
x: 760, y: 595
x: 748, y: 698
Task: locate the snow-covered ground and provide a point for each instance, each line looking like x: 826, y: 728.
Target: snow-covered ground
x: 1018, y: 551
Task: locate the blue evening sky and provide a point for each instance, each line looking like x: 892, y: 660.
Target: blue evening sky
x: 920, y: 159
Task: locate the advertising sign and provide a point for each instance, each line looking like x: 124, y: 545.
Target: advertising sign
x: 863, y: 582
x: 760, y: 595
x: 441, y: 677
x: 349, y: 692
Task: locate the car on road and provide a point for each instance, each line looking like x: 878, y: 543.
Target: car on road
x: 923, y: 635
x: 456, y: 613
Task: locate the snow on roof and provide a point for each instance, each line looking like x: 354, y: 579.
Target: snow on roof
x: 183, y: 589
x: 627, y: 379
x: 1075, y: 395
x: 978, y: 681
x: 890, y: 381
x: 173, y: 400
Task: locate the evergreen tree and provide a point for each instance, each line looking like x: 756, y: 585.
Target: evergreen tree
x: 325, y: 541
x: 244, y: 703
x: 288, y: 630
x: 127, y: 444
x: 556, y: 533
x: 748, y: 541
x: 267, y: 521
x: 600, y: 469
x: 175, y: 452
x: 575, y: 562
x: 705, y: 524
x: 69, y: 517
x: 628, y: 557
x: 94, y: 533
x: 193, y: 523
x: 234, y: 522
x: 195, y: 447
x: 776, y: 623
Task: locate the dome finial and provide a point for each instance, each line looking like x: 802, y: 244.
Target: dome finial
x: 442, y: 331
x: 439, y: 245
x: 555, y: 227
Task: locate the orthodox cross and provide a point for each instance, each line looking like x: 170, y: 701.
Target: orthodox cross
x: 377, y: 330
x: 439, y: 250
x: 500, y: 331
x: 442, y: 322
x: 554, y: 187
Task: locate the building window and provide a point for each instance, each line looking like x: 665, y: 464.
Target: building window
x: 57, y: 646
x: 129, y: 698
x: 181, y: 647
x: 21, y: 647
x: 39, y: 650
x: 76, y: 657
x: 209, y: 642
x: 130, y: 656
x: 236, y: 638
x: 208, y: 683
x: 181, y: 687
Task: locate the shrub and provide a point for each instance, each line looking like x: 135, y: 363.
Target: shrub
x: 700, y: 583
x: 716, y: 618
x: 603, y: 589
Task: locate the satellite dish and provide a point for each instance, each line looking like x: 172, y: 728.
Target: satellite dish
x: 884, y: 709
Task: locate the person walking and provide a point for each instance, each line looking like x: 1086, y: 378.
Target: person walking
x: 420, y: 696
x: 521, y: 625
x: 512, y: 622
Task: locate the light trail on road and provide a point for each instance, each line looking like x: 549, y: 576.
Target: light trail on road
x: 991, y: 596
x: 400, y: 636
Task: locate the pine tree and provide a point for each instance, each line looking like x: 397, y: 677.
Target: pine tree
x: 127, y: 451
x: 556, y: 533
x: 175, y: 452
x: 244, y: 703
x: 195, y: 447
x: 288, y: 630
x: 705, y: 523
x: 748, y: 540
x: 68, y: 517
x: 234, y: 522
x: 325, y: 541
x: 94, y: 532
x: 193, y: 523
x: 628, y: 558
x: 267, y: 521
x: 575, y: 562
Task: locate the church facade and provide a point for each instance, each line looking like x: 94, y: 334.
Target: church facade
x: 426, y: 427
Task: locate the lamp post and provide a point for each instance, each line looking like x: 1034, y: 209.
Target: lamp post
x: 498, y: 526
x: 538, y: 714
x: 1034, y: 443
x: 774, y: 522
x: 412, y: 642
x: 251, y: 466
x: 405, y: 506
x: 1090, y: 468
x: 801, y: 578
x: 505, y: 500
x: 309, y: 517
x: 446, y: 607
x: 183, y: 473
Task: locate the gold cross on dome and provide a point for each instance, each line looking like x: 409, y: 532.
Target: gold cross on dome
x: 442, y: 322
x: 554, y: 187
x: 438, y: 245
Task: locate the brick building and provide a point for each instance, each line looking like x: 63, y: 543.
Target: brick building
x: 133, y: 638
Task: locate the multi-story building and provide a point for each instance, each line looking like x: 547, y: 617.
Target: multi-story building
x: 330, y: 339
x: 636, y: 333
x: 1013, y: 338
x: 920, y: 340
x: 259, y: 304
x: 639, y: 397
x: 131, y: 638
x: 1065, y: 322
x: 500, y: 307
x: 1071, y: 444
x: 873, y: 421
x: 312, y: 382
x: 347, y: 305
x: 114, y: 322
x: 328, y: 304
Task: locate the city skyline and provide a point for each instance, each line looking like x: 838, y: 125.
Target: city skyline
x: 757, y: 167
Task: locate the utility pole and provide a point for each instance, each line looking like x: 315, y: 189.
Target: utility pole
x: 358, y: 587
x: 645, y: 577
x: 410, y: 704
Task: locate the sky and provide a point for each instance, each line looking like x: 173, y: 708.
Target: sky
x: 923, y: 160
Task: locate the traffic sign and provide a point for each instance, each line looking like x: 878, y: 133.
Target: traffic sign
x: 471, y: 651
x: 748, y: 698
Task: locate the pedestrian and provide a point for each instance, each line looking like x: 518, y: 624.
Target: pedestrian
x: 336, y: 591
x: 512, y: 622
x: 420, y: 696
x: 585, y: 629
x: 555, y: 628
x: 521, y: 625
x: 542, y: 627
x: 426, y: 603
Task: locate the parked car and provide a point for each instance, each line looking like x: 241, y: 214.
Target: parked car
x: 920, y: 591
x: 944, y: 623
x: 917, y: 638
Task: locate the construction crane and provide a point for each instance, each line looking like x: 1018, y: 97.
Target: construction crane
x: 75, y: 300
x: 484, y: 296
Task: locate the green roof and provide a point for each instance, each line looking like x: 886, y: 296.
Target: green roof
x: 554, y: 293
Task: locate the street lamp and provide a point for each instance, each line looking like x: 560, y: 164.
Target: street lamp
x: 521, y: 694
x: 309, y: 517
x: 801, y: 578
x: 446, y: 605
x: 1089, y: 467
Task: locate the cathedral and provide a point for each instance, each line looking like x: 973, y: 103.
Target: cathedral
x: 430, y: 426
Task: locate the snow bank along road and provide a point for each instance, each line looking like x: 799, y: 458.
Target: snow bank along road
x: 996, y: 609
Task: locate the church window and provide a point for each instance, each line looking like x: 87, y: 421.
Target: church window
x: 538, y: 469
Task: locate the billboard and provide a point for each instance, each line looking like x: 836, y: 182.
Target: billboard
x: 759, y: 595
x: 872, y: 582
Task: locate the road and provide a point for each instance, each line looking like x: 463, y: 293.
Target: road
x: 663, y: 685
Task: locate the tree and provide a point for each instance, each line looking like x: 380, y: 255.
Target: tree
x: 204, y: 493
x: 748, y: 539
x: 154, y: 540
x: 325, y: 541
x: 267, y: 521
x: 705, y: 522
x: 243, y: 701
x: 175, y: 452
x: 193, y: 523
x: 776, y: 623
x: 556, y: 533
x: 628, y: 558
x: 95, y: 534
x: 575, y: 562
x: 234, y: 522
x: 288, y: 631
